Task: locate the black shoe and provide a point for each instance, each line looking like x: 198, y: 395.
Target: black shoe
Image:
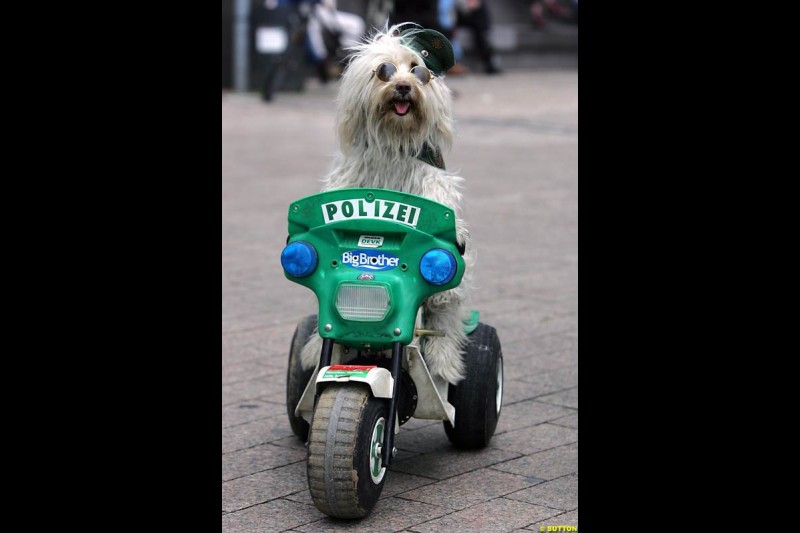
x: 322, y: 72
x: 493, y: 66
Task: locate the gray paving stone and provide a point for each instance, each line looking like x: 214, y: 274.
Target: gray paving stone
x: 388, y: 515
x: 274, y: 516
x: 446, y: 464
x: 534, y: 439
x: 418, y: 423
x: 396, y: 484
x: 302, y: 496
x: 515, y: 390
x: 239, y: 322
x: 570, y: 421
x: 289, y: 442
x: 469, y: 489
x: 257, y: 342
x: 275, y: 396
x: 552, y: 380
x: 263, y: 486
x: 560, y: 493
x: 270, y: 346
x: 241, y: 371
x: 524, y: 339
x: 528, y: 413
x: 560, y: 347
x: 248, y: 411
x: 549, y: 464
x: 496, y: 516
x: 428, y: 438
x: 243, y: 391
x: 542, y: 320
x: 554, y: 360
x: 567, y: 398
x: 249, y: 312
x: 258, y: 458
x: 566, y: 519
x: 253, y: 433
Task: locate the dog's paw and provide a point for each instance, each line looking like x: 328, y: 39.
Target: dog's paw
x: 309, y: 356
x: 444, y: 359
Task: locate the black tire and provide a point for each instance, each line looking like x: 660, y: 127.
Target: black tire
x: 296, y: 377
x: 478, y: 399
x: 345, y: 475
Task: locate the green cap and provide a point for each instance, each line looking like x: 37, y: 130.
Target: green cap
x: 435, y: 49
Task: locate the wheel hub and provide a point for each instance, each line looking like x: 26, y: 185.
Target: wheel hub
x: 376, y: 469
x: 499, y: 400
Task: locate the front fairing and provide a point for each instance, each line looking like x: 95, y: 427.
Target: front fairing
x: 375, y: 239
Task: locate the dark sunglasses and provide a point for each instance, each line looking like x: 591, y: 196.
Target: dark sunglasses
x: 386, y: 70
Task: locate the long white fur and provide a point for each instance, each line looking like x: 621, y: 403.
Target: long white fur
x: 379, y: 148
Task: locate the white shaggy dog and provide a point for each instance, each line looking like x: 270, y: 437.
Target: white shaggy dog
x: 392, y: 123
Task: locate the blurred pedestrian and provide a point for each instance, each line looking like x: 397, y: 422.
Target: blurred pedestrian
x: 422, y: 12
x: 474, y: 15
x: 378, y: 13
x: 329, y: 32
x: 448, y: 19
x: 541, y: 10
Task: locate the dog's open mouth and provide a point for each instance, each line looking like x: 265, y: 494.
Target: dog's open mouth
x: 401, y: 107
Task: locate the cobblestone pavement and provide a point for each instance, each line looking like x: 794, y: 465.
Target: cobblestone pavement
x: 517, y: 147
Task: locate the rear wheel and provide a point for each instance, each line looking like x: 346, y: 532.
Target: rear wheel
x: 345, y: 468
x: 296, y: 377
x: 478, y: 399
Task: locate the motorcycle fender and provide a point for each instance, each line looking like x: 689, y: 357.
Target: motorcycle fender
x: 379, y: 379
x: 432, y: 401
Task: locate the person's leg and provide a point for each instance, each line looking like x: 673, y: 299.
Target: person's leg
x: 317, y: 48
x: 481, y: 25
x: 316, y: 43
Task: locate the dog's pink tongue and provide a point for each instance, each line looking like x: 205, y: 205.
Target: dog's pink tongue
x: 402, y: 107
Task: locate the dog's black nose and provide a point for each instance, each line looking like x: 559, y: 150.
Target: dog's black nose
x: 402, y: 88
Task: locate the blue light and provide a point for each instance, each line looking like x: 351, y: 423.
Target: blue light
x: 299, y: 259
x: 437, y: 266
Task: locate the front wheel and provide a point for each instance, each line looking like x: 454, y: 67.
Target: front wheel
x: 479, y: 397
x: 345, y: 468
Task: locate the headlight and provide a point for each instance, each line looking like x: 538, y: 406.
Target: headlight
x: 299, y: 259
x: 363, y: 303
x: 437, y: 266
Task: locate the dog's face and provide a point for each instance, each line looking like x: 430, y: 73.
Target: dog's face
x: 399, y: 87
x: 389, y: 97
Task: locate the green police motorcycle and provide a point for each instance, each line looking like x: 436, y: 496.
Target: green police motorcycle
x: 372, y: 257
